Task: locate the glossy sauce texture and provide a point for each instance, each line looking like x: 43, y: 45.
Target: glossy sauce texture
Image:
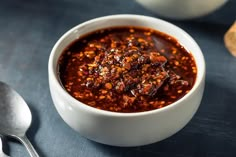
x: 127, y: 69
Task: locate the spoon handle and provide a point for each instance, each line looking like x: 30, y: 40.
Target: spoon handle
x: 25, y: 141
x: 1, y: 151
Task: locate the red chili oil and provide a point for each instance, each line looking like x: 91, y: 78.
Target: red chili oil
x: 127, y: 69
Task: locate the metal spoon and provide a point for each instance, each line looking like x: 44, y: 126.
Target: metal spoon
x: 2, y: 154
x: 15, y: 117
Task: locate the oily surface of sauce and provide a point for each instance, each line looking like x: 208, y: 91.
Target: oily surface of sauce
x: 127, y: 69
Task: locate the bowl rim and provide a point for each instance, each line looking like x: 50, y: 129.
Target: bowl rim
x: 200, y: 78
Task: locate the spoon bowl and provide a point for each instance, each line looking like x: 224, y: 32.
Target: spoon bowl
x: 15, y: 116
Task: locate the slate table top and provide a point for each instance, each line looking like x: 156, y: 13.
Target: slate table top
x: 30, y: 28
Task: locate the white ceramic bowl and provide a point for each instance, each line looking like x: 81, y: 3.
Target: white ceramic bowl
x: 126, y: 129
x: 182, y: 9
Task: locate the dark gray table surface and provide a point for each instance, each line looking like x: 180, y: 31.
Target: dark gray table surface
x: 28, y: 31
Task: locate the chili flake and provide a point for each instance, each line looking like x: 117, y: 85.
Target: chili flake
x: 127, y: 69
